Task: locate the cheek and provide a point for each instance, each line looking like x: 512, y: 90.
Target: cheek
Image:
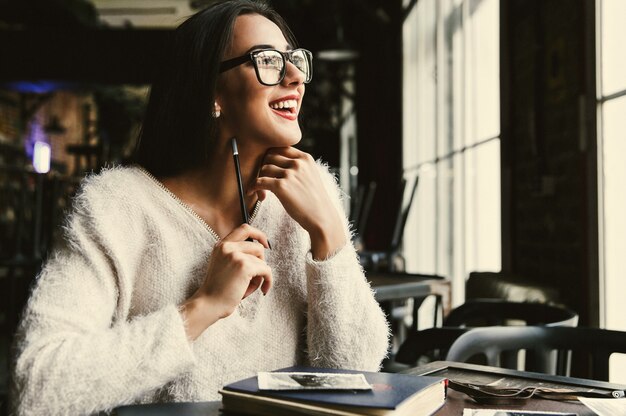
x: 250, y: 109
x: 246, y: 101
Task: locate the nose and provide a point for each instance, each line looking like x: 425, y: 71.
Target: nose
x: 293, y: 76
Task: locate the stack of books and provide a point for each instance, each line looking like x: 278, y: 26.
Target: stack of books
x: 316, y: 391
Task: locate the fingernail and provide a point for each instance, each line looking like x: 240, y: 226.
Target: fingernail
x: 268, y: 244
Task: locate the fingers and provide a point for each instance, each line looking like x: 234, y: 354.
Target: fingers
x: 273, y: 171
x: 267, y: 285
x: 286, y: 157
x: 246, y: 247
x: 245, y: 231
x: 261, y: 195
x: 281, y: 163
x: 262, y: 270
x: 268, y: 279
x: 274, y: 185
x: 255, y: 282
x: 253, y: 259
x: 261, y: 277
x: 279, y: 160
x: 288, y: 152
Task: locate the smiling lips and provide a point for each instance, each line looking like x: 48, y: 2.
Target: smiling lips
x: 286, y: 107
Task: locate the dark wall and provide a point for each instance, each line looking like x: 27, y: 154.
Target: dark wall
x: 548, y: 148
x: 379, y: 118
x: 82, y: 55
x: 374, y: 29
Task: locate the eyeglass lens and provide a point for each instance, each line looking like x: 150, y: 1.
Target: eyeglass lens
x: 270, y: 65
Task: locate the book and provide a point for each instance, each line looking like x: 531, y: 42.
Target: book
x: 391, y: 394
x: 505, y: 412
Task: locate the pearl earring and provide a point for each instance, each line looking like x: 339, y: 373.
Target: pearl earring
x: 216, y: 112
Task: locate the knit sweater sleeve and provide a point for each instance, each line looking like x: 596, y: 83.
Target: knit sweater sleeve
x: 75, y: 354
x: 346, y: 327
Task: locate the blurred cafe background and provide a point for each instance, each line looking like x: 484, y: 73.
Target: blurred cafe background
x: 478, y: 140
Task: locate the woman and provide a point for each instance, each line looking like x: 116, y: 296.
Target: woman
x: 160, y: 294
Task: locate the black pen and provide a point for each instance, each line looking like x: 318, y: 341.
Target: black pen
x: 242, y: 201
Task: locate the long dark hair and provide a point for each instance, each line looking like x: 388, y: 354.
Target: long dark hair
x: 178, y: 131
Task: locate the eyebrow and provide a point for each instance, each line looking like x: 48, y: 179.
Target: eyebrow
x: 255, y: 47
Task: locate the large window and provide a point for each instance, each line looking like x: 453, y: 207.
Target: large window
x: 451, y: 128
x: 611, y: 151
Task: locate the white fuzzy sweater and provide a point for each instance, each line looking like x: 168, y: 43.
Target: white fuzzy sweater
x: 102, y: 326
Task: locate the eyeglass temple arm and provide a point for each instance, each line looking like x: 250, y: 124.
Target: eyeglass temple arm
x: 231, y: 63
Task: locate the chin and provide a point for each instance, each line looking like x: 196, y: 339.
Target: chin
x: 286, y: 138
x: 295, y: 140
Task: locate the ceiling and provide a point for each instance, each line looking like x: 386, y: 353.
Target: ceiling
x: 53, y: 39
x: 144, y: 13
x: 149, y: 14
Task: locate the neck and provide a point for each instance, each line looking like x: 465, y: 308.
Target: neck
x: 222, y: 165
x: 213, y: 192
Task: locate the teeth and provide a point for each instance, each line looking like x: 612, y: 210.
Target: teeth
x: 284, y: 104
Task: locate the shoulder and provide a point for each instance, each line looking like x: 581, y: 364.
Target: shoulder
x: 114, y: 188
x: 112, y: 196
x: 111, y: 182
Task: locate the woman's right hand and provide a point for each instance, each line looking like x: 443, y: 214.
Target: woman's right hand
x: 236, y: 269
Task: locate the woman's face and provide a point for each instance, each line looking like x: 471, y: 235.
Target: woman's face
x: 249, y: 109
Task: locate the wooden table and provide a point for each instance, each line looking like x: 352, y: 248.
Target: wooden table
x: 455, y: 403
x: 392, y: 289
x: 480, y: 374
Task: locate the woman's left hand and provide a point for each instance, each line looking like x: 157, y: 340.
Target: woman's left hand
x: 293, y: 176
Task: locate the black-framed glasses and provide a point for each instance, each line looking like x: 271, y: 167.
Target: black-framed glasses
x: 270, y: 65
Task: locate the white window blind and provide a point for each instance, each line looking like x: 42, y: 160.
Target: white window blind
x: 451, y: 127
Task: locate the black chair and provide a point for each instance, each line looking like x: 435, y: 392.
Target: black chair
x: 390, y: 258
x: 491, y: 312
x: 540, y: 344
x: 512, y: 287
x: 360, y: 208
x: 432, y: 344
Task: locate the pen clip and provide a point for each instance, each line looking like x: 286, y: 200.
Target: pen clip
x: 233, y: 143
